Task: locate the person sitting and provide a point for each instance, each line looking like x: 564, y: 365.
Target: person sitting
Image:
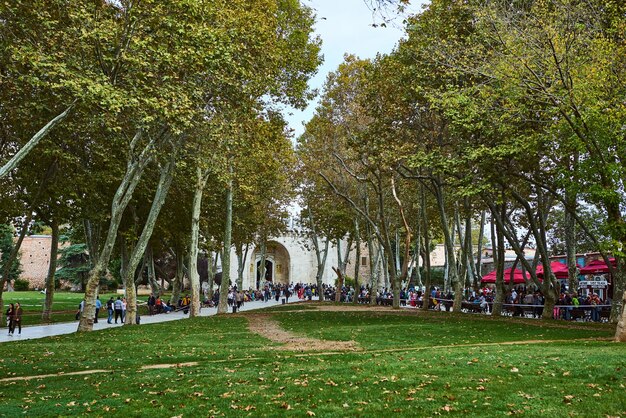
x: 484, y: 305
x: 166, y: 308
x: 185, y: 304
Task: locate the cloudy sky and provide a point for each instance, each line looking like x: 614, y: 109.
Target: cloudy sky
x: 345, y: 27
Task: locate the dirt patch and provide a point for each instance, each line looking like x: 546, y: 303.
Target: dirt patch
x: 43, y: 376
x: 169, y: 366
x: 266, y: 326
x: 355, y: 308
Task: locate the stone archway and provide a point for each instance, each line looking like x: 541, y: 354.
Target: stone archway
x: 277, y: 263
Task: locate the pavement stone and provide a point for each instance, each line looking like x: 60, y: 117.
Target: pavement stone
x: 42, y: 331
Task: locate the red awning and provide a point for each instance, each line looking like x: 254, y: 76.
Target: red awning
x: 558, y: 269
x: 518, y: 277
x: 598, y: 267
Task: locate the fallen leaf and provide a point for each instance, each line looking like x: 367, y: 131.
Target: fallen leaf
x: 310, y: 413
x: 514, y: 370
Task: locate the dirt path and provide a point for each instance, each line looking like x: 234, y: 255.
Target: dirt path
x: 267, y: 327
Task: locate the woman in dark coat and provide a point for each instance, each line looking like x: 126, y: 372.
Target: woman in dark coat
x: 17, y: 318
x: 10, y: 314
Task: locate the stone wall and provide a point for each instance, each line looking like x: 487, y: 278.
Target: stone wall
x: 35, y: 259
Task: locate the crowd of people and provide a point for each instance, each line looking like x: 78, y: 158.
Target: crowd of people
x: 584, y: 304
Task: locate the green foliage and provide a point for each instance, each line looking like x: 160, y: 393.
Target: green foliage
x: 74, y: 264
x: 21, y: 285
x: 6, y: 246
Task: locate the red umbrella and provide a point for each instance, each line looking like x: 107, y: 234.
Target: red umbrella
x: 558, y: 269
x: 598, y: 267
x: 518, y: 277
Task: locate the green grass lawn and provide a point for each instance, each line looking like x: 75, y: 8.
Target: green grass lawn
x: 410, y: 365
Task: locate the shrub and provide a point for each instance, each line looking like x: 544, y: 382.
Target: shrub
x: 21, y: 285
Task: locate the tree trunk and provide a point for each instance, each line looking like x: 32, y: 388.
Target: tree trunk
x: 321, y: 259
x: 178, y: 279
x: 498, y: 258
x: 242, y: 256
x: 54, y: 246
x: 165, y: 181
x: 228, y: 230
x: 32, y: 143
x: 479, y: 255
x: 426, y: 252
x: 357, y: 264
x: 123, y: 195
x: 339, y: 273
x: 214, y: 261
x: 262, y: 268
x: 449, y: 243
x: 570, y: 242
x: 155, y: 288
x: 194, y: 277
x: 397, y: 253
x: 620, y: 331
x: 469, y: 256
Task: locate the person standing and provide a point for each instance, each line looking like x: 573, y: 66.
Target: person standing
x: 151, y: 304
x: 10, y: 314
x: 17, y: 319
x: 98, y: 306
x: 79, y: 312
x: 123, y: 310
x: 118, y: 309
x: 110, y: 304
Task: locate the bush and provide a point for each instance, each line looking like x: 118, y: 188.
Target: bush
x: 21, y: 285
x: 347, y: 282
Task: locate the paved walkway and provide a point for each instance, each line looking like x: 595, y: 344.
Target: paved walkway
x: 41, y: 331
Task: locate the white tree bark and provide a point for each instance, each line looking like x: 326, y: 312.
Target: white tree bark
x: 32, y: 143
x: 165, y: 181
x: 228, y: 232
x: 194, y: 277
x: 124, y: 193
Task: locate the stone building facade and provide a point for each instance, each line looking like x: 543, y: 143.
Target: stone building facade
x: 289, y: 259
x: 35, y: 259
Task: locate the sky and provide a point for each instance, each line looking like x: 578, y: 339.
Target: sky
x: 345, y: 27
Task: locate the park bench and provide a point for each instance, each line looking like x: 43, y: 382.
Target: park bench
x: 470, y: 307
x: 580, y: 314
x: 605, y: 314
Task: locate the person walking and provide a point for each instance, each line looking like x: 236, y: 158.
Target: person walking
x: 110, y: 304
x: 10, y: 314
x: 118, y: 309
x: 98, y: 306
